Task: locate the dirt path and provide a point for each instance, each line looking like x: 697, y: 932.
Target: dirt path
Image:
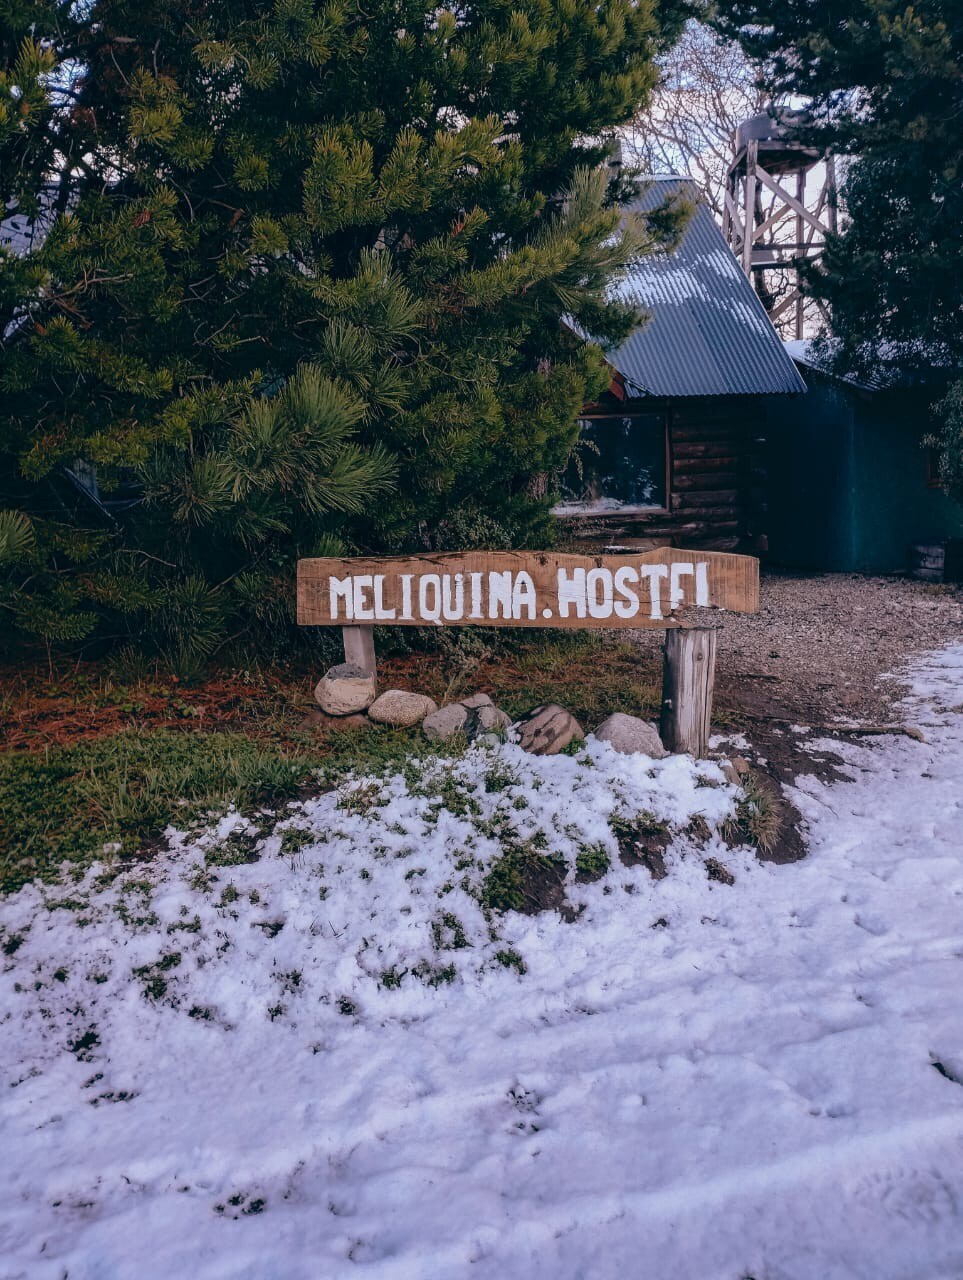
x: 820, y: 652
x: 825, y: 642
x: 819, y: 645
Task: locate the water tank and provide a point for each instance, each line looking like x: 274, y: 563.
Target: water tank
x: 773, y: 131
x: 775, y: 125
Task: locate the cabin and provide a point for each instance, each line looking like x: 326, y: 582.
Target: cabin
x: 672, y: 454
x: 852, y: 486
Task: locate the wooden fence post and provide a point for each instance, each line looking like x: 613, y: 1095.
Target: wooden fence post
x: 688, y: 676
x: 359, y: 648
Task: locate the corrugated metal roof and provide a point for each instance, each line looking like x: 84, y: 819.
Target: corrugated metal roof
x: 708, y: 334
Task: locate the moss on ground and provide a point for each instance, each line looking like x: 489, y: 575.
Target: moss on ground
x: 591, y: 863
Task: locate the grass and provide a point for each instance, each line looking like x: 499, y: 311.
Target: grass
x: 591, y: 863
x: 582, y: 671
x: 97, y: 767
x: 152, y: 975
x: 642, y: 841
x: 510, y: 959
x: 757, y: 820
x: 642, y: 826
x: 69, y: 803
x: 376, y: 750
x: 524, y: 879
x: 105, y: 798
x: 448, y: 933
x: 589, y: 673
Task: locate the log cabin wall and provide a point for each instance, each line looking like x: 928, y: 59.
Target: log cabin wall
x: 715, y: 481
x: 710, y: 358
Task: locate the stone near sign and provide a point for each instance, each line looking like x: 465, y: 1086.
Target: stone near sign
x: 542, y: 589
x: 524, y: 589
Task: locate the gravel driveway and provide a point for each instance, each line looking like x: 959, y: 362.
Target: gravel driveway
x: 819, y: 645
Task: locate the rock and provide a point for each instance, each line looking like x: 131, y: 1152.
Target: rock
x: 400, y: 708
x: 631, y: 735
x: 344, y: 690
x: 476, y: 700
x: 484, y: 718
x: 474, y: 716
x: 735, y: 770
x: 445, y: 722
x: 547, y: 730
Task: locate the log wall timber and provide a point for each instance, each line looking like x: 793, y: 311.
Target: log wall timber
x: 714, y: 446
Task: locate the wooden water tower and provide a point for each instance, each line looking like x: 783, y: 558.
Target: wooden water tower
x: 784, y: 192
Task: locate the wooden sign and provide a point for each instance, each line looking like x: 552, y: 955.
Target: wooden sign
x: 524, y: 589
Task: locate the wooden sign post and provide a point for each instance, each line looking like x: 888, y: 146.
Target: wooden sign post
x: 688, y: 680
x: 657, y: 589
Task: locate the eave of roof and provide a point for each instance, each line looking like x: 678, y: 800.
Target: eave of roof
x: 910, y: 368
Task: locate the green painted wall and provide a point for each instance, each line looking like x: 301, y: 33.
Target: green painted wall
x: 847, y: 484
x: 894, y: 507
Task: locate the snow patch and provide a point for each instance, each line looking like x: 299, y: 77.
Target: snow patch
x: 692, y: 1079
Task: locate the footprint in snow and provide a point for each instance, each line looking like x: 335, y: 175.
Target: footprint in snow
x: 947, y: 1069
x: 875, y: 925
x: 526, y: 1102
x: 918, y: 1196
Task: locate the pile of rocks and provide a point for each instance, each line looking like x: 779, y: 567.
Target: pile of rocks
x: 347, y: 692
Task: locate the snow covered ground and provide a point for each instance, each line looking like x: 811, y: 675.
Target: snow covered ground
x: 326, y: 1062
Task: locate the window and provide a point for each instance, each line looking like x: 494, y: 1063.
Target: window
x: 619, y: 465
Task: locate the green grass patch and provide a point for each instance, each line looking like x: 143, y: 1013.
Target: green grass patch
x: 434, y: 975
x: 510, y: 959
x: 448, y: 934
x: 584, y: 672
x: 591, y: 863
x: 379, y: 750
x: 152, y: 975
x: 642, y: 826
x: 524, y: 879
x: 122, y: 789
x: 65, y: 805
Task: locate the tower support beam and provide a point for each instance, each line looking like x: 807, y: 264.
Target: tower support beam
x: 778, y: 208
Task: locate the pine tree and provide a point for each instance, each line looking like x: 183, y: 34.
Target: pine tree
x: 28, y: 149
x: 885, y: 85
x: 306, y: 290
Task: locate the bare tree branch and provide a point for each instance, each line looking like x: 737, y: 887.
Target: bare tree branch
x: 708, y: 88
